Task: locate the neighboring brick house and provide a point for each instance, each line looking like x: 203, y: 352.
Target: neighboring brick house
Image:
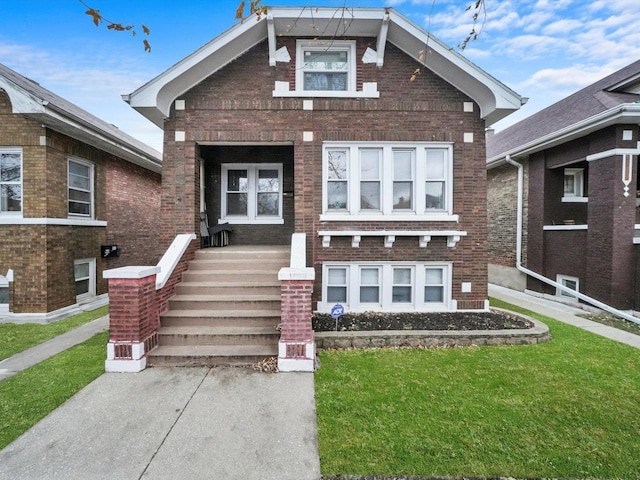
x: 580, y: 220
x: 307, y: 120
x: 70, y: 184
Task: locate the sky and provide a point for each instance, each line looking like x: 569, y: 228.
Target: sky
x: 542, y: 49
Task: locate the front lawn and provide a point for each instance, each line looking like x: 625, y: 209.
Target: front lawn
x: 566, y: 408
x: 29, y: 396
x: 15, y: 337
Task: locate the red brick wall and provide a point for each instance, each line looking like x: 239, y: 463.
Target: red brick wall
x: 236, y: 105
x: 42, y: 256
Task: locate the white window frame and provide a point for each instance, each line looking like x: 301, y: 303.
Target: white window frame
x: 92, y: 278
x: 252, y: 216
x: 4, y: 284
x: 562, y: 280
x: 92, y: 188
x: 385, y: 279
x: 14, y: 150
x: 418, y: 212
x: 348, y: 46
x: 577, y: 195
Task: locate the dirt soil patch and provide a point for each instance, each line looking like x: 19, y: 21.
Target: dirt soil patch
x: 463, y: 321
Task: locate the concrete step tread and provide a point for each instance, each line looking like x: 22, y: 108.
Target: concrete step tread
x: 235, y: 330
x: 224, y: 283
x: 213, y: 350
x: 224, y: 298
x: 221, y: 313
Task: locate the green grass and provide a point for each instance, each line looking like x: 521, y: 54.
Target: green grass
x: 15, y: 338
x: 29, y: 396
x: 566, y: 408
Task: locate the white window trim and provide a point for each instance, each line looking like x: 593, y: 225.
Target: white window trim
x: 386, y: 287
x: 561, y: 279
x: 578, y: 181
x: 419, y: 212
x: 326, y: 45
x: 251, y: 217
x: 92, y: 278
x: 92, y: 184
x: 19, y: 151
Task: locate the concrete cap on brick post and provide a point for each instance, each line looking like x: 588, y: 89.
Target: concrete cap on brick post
x: 130, y: 272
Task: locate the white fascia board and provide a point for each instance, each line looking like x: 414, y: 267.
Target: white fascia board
x: 160, y: 92
x: 620, y: 114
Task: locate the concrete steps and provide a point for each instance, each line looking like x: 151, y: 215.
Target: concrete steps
x: 226, y: 311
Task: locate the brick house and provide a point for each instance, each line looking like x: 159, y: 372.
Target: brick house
x: 70, y: 184
x: 580, y: 217
x: 308, y: 121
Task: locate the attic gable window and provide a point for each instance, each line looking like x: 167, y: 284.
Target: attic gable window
x: 325, y: 66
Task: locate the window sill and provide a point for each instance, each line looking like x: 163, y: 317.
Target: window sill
x: 249, y: 221
x: 324, y: 307
x: 379, y: 217
x: 369, y: 90
x: 15, y: 220
x: 575, y: 199
x: 565, y: 227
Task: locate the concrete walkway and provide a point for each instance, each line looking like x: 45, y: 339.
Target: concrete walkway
x: 562, y: 312
x: 30, y: 357
x: 169, y: 423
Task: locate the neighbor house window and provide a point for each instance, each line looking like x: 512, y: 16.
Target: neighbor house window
x: 252, y: 193
x: 386, y: 286
x: 325, y: 66
x: 573, y: 182
x: 10, y: 181
x: 80, y: 177
x: 85, y: 278
x: 412, y: 181
x: 572, y: 283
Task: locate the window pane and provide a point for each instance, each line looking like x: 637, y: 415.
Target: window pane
x: 337, y: 164
x: 325, y: 81
x: 370, y: 195
x: 326, y: 60
x: 10, y: 198
x: 82, y: 183
x: 402, y: 165
x: 433, y: 276
x: 81, y: 270
x: 402, y: 276
x: 369, y: 276
x: 401, y: 295
x: 82, y: 286
x: 78, y: 208
x: 10, y: 167
x: 435, y: 164
x: 402, y: 196
x: 237, y: 181
x: 268, y: 203
x: 4, y: 294
x: 370, y: 165
x: 268, y: 181
x: 79, y: 169
x: 236, y: 204
x: 434, y: 195
x: 337, y: 276
x: 569, y: 184
x: 369, y: 295
x: 434, y: 294
x: 337, y: 195
x: 79, y: 195
x: 336, y: 294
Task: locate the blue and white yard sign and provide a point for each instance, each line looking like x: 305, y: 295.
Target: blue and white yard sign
x: 337, y: 310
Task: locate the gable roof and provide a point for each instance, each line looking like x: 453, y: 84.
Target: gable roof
x: 611, y: 100
x: 30, y: 99
x: 154, y: 99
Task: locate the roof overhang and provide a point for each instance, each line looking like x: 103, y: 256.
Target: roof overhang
x: 627, y: 113
x: 51, y: 116
x: 154, y: 99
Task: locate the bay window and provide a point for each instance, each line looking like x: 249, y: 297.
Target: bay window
x: 388, y: 181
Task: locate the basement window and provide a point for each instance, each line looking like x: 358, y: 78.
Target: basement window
x: 572, y: 283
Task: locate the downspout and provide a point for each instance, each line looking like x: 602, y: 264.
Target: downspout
x: 537, y: 276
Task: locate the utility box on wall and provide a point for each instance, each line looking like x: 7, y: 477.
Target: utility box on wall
x: 109, y: 251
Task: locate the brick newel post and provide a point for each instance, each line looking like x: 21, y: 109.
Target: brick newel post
x: 296, y: 349
x: 133, y: 317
